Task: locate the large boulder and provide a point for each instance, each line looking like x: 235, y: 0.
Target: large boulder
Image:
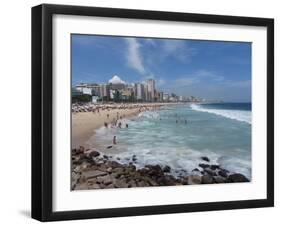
x: 166, y: 169
x: 223, y: 173
x: 203, y: 165
x: 237, y: 177
x: 205, y: 158
x: 214, y: 167
x: 94, y: 153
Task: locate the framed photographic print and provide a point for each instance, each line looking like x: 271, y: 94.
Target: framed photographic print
x: 145, y: 112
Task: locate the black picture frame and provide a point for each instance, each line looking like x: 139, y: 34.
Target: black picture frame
x: 42, y: 111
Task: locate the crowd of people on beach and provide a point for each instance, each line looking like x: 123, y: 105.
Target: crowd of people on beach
x: 115, y: 119
x: 97, y: 108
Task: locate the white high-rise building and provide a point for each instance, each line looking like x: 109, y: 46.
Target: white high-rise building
x: 140, y: 91
x: 151, y: 89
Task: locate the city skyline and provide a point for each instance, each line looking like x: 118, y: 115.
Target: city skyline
x: 118, y: 90
x: 208, y: 69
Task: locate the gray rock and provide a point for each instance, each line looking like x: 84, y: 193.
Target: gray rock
x: 134, y: 158
x: 207, y: 179
x: 219, y: 179
x: 110, y: 186
x: 95, y: 186
x: 121, y: 183
x: 222, y: 173
x: 210, y: 172
x: 237, y: 177
x: 203, y: 165
x: 194, y: 179
x: 106, y: 180
x: 93, y: 173
x: 205, y: 158
x: 94, y: 154
x: 109, y: 169
x: 214, y: 167
x: 167, y: 169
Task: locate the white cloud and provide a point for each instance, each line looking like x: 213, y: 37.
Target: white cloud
x: 178, y: 49
x: 116, y: 80
x: 134, y: 58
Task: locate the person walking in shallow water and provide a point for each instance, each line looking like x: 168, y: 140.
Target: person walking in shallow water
x: 114, y: 140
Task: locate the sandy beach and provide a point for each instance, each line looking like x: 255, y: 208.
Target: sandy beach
x: 87, y: 118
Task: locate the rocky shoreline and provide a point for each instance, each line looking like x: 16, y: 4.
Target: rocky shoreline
x: 92, y: 170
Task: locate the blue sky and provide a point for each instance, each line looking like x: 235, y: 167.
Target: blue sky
x: 208, y: 69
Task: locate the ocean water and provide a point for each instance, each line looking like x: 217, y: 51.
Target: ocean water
x: 222, y: 132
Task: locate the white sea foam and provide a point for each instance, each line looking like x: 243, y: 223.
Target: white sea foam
x: 242, y: 116
x: 181, y: 161
x: 166, y: 143
x: 149, y: 114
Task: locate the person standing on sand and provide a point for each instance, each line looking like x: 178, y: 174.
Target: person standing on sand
x: 114, y: 140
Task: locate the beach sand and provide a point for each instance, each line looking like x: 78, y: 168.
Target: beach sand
x: 84, y: 124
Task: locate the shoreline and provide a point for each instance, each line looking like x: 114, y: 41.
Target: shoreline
x: 87, y: 118
x: 92, y: 170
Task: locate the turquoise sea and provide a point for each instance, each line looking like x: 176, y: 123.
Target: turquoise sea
x: 180, y: 135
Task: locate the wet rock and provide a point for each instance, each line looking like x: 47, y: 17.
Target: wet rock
x: 203, y: 165
x: 214, y: 167
x: 132, y: 167
x: 237, y: 177
x: 167, y: 169
x: 81, y: 149
x: 154, y: 170
x: 205, y: 158
x: 194, y: 179
x: 195, y: 170
x: 210, y: 172
x: 94, y: 154
x: 207, y: 179
x: 223, y: 173
x: 219, y: 179
x: 105, y: 156
x: 134, y: 158
x: 73, y: 151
